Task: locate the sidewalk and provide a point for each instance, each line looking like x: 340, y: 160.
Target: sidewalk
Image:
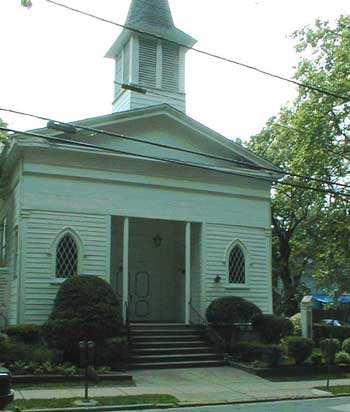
x: 224, y: 384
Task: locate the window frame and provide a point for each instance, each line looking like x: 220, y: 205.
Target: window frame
x: 244, y: 250
x: 79, y: 245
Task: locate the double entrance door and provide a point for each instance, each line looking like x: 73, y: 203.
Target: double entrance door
x: 153, y: 281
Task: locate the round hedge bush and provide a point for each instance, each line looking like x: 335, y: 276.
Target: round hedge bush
x: 85, y: 308
x: 231, y: 309
x: 272, y: 328
x: 346, y: 345
x: 329, y: 347
x: 342, y: 358
x: 299, y: 348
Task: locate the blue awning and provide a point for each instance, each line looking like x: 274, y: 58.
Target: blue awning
x: 324, y: 298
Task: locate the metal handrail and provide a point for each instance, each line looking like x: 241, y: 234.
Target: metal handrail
x: 127, y: 323
x: 206, y: 324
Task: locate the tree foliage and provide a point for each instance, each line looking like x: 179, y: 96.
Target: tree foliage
x: 311, y: 137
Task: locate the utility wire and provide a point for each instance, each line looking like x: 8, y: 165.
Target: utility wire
x: 206, y: 53
x: 173, y: 161
x: 164, y: 146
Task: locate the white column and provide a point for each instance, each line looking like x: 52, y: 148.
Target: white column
x: 188, y: 273
x: 306, y: 316
x: 125, y: 267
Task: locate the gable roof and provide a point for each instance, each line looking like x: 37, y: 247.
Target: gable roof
x: 181, y: 118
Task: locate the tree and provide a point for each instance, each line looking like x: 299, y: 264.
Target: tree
x: 311, y: 137
x: 26, y: 3
x: 3, y: 135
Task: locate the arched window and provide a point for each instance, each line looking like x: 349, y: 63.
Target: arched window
x: 237, y: 266
x: 67, y: 256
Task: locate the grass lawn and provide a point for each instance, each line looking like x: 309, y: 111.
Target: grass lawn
x: 62, y: 385
x: 153, y: 399
x: 336, y: 390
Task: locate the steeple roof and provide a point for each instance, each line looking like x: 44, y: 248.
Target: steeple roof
x: 154, y: 16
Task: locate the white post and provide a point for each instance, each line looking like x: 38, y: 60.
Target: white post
x: 188, y: 273
x: 125, y: 267
x: 306, y: 316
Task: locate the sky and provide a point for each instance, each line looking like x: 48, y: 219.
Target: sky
x: 52, y: 60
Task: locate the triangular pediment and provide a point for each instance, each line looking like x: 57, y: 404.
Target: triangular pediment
x: 165, y: 127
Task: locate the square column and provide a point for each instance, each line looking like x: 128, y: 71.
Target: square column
x: 125, y: 268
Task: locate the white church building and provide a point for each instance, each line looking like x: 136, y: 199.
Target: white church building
x: 170, y: 229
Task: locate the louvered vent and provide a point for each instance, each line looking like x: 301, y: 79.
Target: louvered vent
x: 126, y: 68
x: 148, y: 62
x: 170, y: 65
x: 118, y: 75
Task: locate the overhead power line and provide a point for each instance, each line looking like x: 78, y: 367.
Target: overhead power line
x: 240, y: 163
x: 206, y: 53
x: 171, y: 161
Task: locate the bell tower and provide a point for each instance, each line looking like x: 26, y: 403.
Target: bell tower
x: 152, y: 67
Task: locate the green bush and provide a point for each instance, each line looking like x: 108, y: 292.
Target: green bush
x: 342, y: 358
x: 272, y: 328
x: 114, y: 352
x: 329, y: 347
x: 296, y: 322
x: 346, y: 345
x: 247, y: 351
x: 299, y: 348
x: 316, y: 358
x: 85, y: 308
x: 230, y: 310
x: 29, y: 334
x: 272, y: 354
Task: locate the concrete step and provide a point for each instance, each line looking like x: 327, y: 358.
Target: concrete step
x: 176, y: 358
x: 169, y: 344
x: 177, y: 365
x: 170, y: 351
x: 165, y: 338
x: 164, y: 332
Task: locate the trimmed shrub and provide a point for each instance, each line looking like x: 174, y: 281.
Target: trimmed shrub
x: 346, y: 345
x: 272, y: 354
x: 29, y: 334
x: 342, y: 358
x: 85, y: 308
x: 296, y: 322
x: 316, y: 358
x: 299, y: 348
x: 272, y: 328
x: 247, y: 351
x: 114, y: 353
x: 329, y: 347
x: 230, y: 310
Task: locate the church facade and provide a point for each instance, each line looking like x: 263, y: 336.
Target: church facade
x: 169, y: 212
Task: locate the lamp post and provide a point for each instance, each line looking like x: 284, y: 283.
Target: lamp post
x: 87, y: 357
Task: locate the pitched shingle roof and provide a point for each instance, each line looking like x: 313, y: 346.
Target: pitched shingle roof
x: 154, y: 16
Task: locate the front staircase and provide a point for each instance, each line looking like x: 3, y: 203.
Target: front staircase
x: 170, y: 345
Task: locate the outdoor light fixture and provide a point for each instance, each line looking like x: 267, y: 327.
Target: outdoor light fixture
x: 217, y: 279
x: 157, y: 240
x: 62, y: 127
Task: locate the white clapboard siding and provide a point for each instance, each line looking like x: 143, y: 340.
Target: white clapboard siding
x: 139, y: 100
x: 42, y: 231
x: 256, y: 241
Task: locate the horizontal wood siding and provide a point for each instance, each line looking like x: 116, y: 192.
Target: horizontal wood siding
x: 256, y: 241
x: 139, y: 100
x: 42, y: 231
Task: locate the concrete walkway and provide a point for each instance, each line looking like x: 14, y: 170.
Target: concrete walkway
x: 196, y: 386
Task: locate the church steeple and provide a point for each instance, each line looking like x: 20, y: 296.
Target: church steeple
x: 154, y: 64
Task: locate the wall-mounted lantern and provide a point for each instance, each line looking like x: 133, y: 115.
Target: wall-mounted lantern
x: 217, y: 279
x: 157, y: 240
